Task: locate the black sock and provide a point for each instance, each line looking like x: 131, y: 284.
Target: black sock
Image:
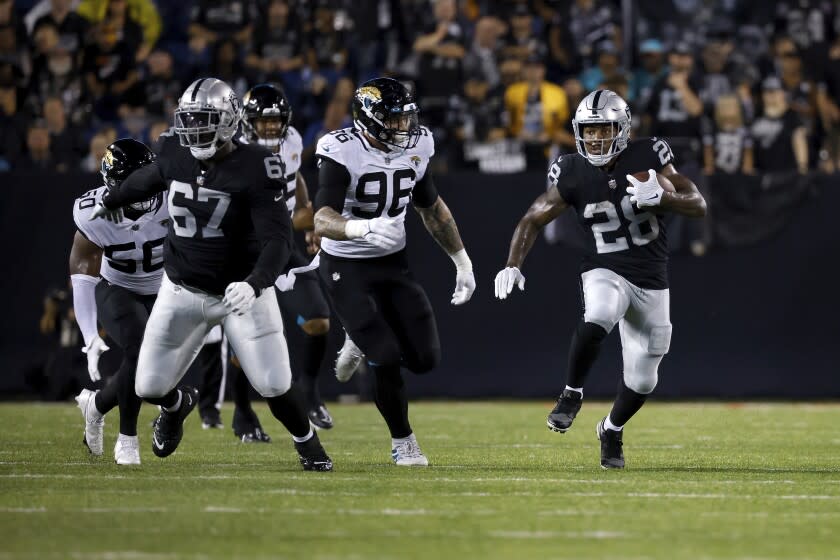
x: 311, y: 354
x: 389, y: 395
x: 585, y: 347
x: 128, y: 400
x: 288, y: 408
x: 106, y: 399
x: 244, y: 417
x: 169, y: 400
x: 627, y: 403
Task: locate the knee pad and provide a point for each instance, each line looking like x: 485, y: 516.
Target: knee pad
x: 147, y: 388
x: 641, y: 382
x: 659, y: 340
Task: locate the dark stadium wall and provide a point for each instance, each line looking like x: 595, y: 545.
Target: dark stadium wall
x: 749, y: 322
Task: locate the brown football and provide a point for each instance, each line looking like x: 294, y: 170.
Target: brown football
x: 663, y: 181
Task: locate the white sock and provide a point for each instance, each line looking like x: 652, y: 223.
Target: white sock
x: 307, y: 437
x: 124, y: 437
x: 608, y: 425
x: 177, y: 405
x: 578, y: 389
x: 397, y: 441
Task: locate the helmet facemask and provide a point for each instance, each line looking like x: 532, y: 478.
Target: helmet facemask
x: 602, y: 127
x: 204, y: 130
x: 268, y: 129
x: 399, y: 130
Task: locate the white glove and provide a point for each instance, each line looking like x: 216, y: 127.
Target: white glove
x: 96, y: 348
x: 100, y: 211
x: 464, y: 278
x: 239, y: 297
x: 645, y: 193
x: 506, y: 279
x: 382, y: 232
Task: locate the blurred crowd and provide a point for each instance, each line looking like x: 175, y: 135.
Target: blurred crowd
x: 737, y: 86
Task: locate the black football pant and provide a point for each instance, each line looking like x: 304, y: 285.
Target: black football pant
x: 123, y: 313
x: 389, y: 317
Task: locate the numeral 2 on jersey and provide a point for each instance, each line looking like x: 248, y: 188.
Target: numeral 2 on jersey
x: 613, y: 222
x: 398, y: 194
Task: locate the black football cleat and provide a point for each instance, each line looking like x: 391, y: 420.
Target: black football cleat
x: 254, y: 436
x: 168, y: 427
x: 612, y: 455
x: 563, y: 414
x: 312, y: 455
x: 211, y: 419
x: 320, y: 417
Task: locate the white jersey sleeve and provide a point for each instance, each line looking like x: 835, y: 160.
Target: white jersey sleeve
x: 132, y: 250
x: 381, y: 183
x: 291, y: 150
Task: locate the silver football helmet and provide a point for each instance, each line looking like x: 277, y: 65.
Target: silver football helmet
x: 602, y: 107
x: 207, y: 116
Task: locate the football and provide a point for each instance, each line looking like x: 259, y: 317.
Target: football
x: 664, y: 182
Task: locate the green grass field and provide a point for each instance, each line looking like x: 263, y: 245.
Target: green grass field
x: 703, y: 481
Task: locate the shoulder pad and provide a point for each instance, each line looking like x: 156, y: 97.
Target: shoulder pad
x: 426, y: 145
x: 83, y: 208
x: 294, y: 140
x: 334, y: 145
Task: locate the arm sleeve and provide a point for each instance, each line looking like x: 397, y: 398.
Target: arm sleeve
x: 425, y: 192
x: 141, y: 185
x: 333, y: 180
x: 84, y: 305
x: 561, y: 176
x: 274, y: 229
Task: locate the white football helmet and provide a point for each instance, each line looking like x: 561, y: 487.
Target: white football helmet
x: 207, y: 116
x: 598, y: 108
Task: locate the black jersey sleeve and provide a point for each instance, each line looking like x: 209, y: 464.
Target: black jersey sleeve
x: 273, y: 228
x: 141, y: 185
x: 561, y: 175
x: 659, y: 154
x: 333, y: 180
x: 425, y: 192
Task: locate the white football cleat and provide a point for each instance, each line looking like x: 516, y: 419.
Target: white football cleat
x: 94, y: 421
x: 408, y: 454
x: 349, y: 358
x: 127, y: 450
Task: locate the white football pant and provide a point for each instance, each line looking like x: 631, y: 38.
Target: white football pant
x: 644, y: 322
x: 175, y: 333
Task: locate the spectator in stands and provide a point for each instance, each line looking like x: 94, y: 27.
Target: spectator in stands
x: 537, y: 113
x: 127, y: 14
x: 65, y: 140
x: 799, y: 89
x: 608, y: 67
x: 780, y: 137
x: 720, y: 74
x: 158, y: 90
x: 278, y: 49
x: 226, y: 64
x: 12, y: 126
x: 592, y: 22
x: 652, y: 58
x: 13, y: 43
x: 482, y: 59
x: 56, y: 73
x: 809, y: 23
x: 828, y: 97
x: 727, y: 144
x: 327, y: 56
x: 39, y: 154
x: 110, y: 71
x: 336, y: 116
x: 99, y: 142
x: 521, y: 41
x: 72, y: 28
x: 563, y: 60
x: 480, y: 115
x: 215, y: 20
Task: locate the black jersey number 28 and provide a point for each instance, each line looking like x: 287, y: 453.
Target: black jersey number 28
x: 400, y: 194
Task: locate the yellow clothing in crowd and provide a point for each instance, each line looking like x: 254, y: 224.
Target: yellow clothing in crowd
x: 143, y: 12
x: 555, y: 107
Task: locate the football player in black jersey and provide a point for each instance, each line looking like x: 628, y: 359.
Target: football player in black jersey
x: 228, y: 241
x: 624, y: 272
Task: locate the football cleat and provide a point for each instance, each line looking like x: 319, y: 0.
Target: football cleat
x: 169, y: 426
x: 94, y: 421
x: 408, y: 454
x: 211, y: 420
x: 349, y: 358
x: 612, y: 455
x: 312, y: 455
x: 563, y: 414
x: 255, y: 436
x: 320, y: 418
x: 127, y: 450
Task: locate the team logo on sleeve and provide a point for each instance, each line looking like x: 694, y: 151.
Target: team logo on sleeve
x: 415, y: 160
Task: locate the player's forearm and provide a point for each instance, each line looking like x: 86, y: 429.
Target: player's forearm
x: 141, y: 185
x: 523, y: 239
x: 302, y: 218
x: 800, y: 149
x: 441, y: 225
x: 686, y: 201
x: 270, y: 264
x: 330, y: 224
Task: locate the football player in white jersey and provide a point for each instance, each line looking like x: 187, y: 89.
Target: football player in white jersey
x: 116, y: 269
x: 266, y: 118
x: 367, y: 176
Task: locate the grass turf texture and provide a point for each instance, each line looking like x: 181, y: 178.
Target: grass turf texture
x: 703, y: 481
